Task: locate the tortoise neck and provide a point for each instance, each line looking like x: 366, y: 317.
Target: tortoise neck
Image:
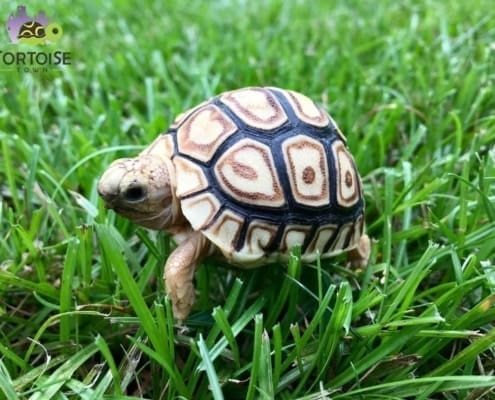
x: 162, y: 148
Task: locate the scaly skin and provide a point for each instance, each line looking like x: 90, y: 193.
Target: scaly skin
x: 179, y: 273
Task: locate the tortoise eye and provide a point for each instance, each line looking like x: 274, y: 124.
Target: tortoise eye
x: 135, y: 194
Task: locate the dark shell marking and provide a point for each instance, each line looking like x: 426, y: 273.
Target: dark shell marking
x: 260, y: 170
x: 32, y: 29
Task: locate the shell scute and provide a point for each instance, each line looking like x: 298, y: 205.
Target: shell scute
x: 259, y: 236
x: 348, y: 183
x: 247, y: 173
x: 256, y: 107
x: 306, y: 109
x: 322, y: 237
x: 307, y: 167
x: 200, y: 210
x: 190, y: 177
x: 225, y: 230
x: 343, y: 238
x: 294, y: 235
x: 203, y: 132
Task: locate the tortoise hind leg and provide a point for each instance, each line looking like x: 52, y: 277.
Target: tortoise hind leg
x: 179, y: 273
x: 359, y: 256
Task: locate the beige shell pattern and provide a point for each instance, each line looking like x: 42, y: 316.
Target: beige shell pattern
x: 261, y: 170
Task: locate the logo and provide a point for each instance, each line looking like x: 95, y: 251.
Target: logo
x: 32, y: 30
x: 25, y: 31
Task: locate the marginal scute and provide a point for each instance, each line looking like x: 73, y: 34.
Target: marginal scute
x: 189, y: 176
x: 348, y: 184
x: 225, y: 230
x: 294, y: 235
x: 247, y: 172
x: 257, y: 107
x: 203, y: 132
x: 358, y: 227
x: 321, y: 238
x: 200, y: 209
x: 307, y: 167
x: 259, y: 236
x: 306, y: 109
x: 342, y: 240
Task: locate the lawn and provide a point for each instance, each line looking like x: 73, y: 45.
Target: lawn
x: 83, y: 314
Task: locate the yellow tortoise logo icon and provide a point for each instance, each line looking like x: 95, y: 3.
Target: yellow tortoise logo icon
x: 35, y: 30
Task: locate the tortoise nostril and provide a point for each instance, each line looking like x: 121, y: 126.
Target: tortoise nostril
x: 134, y: 194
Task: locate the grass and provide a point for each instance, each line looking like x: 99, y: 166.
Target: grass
x: 82, y: 306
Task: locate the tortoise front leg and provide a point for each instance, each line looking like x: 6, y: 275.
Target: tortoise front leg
x: 179, y: 273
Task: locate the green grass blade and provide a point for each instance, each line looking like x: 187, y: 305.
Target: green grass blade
x: 257, y: 363
x: 66, y: 290
x: 237, y: 328
x: 6, y: 384
x: 112, y: 255
x: 216, y: 389
x: 471, y: 352
x: 229, y: 305
x: 50, y: 387
x: 278, y: 354
x: 266, y: 386
x: 107, y: 355
x: 221, y: 319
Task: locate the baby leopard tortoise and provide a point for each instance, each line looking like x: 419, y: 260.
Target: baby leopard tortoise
x: 249, y: 173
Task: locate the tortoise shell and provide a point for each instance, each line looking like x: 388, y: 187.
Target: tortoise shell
x: 32, y: 29
x: 260, y: 170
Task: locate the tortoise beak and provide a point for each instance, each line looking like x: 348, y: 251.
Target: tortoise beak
x: 110, y: 182
x: 108, y: 191
x: 108, y: 198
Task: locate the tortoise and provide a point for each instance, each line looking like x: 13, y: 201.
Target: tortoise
x: 33, y: 32
x: 248, y: 174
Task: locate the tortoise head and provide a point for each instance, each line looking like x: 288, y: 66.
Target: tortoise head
x: 140, y: 189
